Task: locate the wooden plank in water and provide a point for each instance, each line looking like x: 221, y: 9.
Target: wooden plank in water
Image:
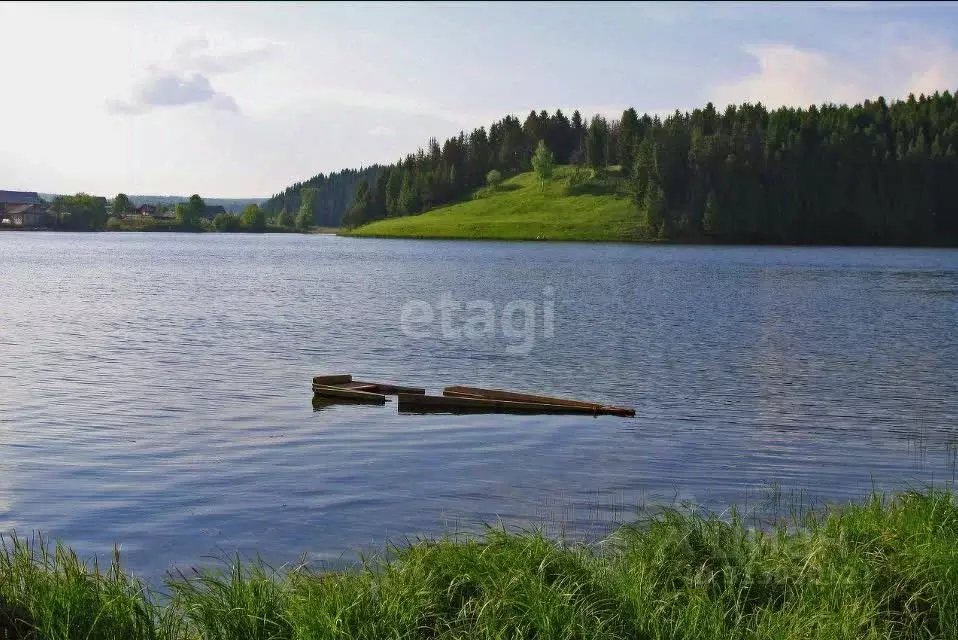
x: 333, y: 379
x: 499, y: 394
x: 359, y: 386
x: 460, y: 391
x: 452, y: 403
x: 350, y: 394
x: 391, y: 389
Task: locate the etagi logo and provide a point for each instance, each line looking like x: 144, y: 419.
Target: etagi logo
x: 479, y: 320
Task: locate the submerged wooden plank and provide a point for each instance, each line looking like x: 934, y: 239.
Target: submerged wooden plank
x: 460, y: 391
x: 351, y: 394
x: 333, y: 379
x: 490, y: 405
x: 392, y: 389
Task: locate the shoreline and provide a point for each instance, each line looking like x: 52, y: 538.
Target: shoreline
x: 338, y: 232
x: 651, y: 243
x: 883, y: 567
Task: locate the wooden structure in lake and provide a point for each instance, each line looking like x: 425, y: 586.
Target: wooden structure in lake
x: 455, y: 399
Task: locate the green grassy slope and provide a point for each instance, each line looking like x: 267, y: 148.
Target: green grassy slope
x: 521, y: 210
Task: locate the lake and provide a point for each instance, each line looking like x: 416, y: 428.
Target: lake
x: 156, y: 387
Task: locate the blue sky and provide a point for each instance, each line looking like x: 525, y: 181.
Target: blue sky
x: 241, y: 100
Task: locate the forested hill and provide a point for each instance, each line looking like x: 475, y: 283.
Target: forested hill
x: 333, y: 194
x: 874, y: 173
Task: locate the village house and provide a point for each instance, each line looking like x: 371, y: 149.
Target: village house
x: 147, y: 210
x: 23, y: 209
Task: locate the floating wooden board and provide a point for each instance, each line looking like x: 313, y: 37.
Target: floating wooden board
x: 359, y: 386
x: 455, y: 399
x: 349, y: 394
x: 333, y: 379
x: 391, y: 389
x: 346, y: 381
x: 459, y: 391
x: 472, y: 405
x: 499, y: 394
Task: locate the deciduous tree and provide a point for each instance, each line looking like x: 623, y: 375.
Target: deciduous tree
x: 121, y: 205
x: 305, y: 218
x: 543, y: 163
x: 253, y: 220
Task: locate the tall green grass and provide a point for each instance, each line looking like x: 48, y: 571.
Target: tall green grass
x: 886, y: 568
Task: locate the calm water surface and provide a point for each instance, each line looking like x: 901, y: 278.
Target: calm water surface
x: 156, y: 387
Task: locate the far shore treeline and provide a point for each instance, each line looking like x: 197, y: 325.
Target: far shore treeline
x: 84, y: 212
x: 876, y: 173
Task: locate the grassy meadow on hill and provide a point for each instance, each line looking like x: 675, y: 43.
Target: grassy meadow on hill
x: 599, y: 209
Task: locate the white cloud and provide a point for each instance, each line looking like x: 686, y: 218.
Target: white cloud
x: 788, y: 75
x: 171, y: 90
x: 184, y: 78
x: 791, y: 76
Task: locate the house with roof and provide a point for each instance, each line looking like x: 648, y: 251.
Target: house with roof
x: 23, y: 209
x: 146, y: 210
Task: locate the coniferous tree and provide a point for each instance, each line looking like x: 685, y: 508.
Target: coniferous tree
x: 628, y: 133
x: 360, y: 211
x: 409, y: 199
x: 597, y: 143
x: 577, y: 138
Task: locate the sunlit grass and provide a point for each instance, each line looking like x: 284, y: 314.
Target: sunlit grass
x: 886, y: 568
x: 521, y: 210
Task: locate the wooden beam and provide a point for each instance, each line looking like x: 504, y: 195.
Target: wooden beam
x: 350, y: 394
x: 392, y: 389
x: 491, y: 405
x: 333, y: 379
x: 459, y: 391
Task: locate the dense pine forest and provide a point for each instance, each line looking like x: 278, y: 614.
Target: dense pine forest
x: 874, y: 173
x: 330, y: 196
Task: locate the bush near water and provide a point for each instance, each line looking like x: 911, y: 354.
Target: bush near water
x: 883, y: 569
